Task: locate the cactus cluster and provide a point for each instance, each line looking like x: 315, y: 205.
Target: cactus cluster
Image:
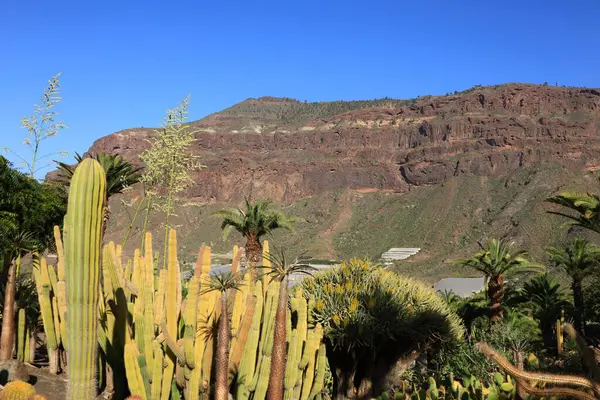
x: 502, y: 387
x: 52, y: 294
x: 148, y: 334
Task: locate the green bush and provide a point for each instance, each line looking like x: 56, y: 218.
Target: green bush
x: 376, y: 322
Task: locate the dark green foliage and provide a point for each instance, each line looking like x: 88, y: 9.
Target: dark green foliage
x: 290, y: 112
x: 544, y: 299
x: 257, y: 219
x: 120, y: 174
x: 27, y: 206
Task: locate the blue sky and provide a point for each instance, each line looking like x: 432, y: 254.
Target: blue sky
x: 123, y: 63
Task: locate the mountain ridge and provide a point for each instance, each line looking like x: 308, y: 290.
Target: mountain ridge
x: 290, y: 150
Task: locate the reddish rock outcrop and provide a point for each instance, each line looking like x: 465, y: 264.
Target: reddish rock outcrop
x: 252, y: 148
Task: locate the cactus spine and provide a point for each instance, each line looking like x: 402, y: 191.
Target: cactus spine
x: 83, y: 238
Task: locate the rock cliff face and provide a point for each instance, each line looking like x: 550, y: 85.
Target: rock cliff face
x: 284, y: 150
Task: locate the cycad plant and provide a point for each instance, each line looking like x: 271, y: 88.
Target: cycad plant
x: 546, y: 299
x: 585, y: 209
x: 280, y: 271
x: 496, y: 260
x: 253, y: 222
x: 223, y: 283
x: 578, y: 261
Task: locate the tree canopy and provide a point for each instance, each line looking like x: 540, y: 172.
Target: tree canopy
x: 27, y: 206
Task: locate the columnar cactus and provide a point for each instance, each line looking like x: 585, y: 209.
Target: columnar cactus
x: 82, y: 240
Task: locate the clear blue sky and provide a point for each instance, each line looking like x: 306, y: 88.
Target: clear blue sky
x: 125, y: 62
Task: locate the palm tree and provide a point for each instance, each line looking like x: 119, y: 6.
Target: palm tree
x: 495, y: 260
x: 223, y: 283
x: 254, y: 222
x: 546, y: 299
x: 578, y: 261
x: 21, y: 243
x: 279, y: 271
x: 120, y: 175
x: 586, y: 207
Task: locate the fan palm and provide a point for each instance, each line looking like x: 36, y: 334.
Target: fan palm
x: 546, y: 299
x: 578, y: 261
x: 254, y: 222
x: 120, y: 175
x: 586, y: 207
x: 495, y: 260
x: 280, y: 271
x: 223, y: 283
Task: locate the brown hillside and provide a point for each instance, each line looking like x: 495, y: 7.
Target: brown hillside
x: 285, y: 150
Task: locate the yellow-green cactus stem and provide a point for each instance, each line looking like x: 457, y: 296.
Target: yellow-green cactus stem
x: 21, y: 335
x: 312, y: 345
x: 157, y: 371
x: 319, y: 382
x: 61, y: 296
x: 82, y: 246
x: 60, y: 266
x: 171, y: 312
x: 291, y: 369
x: 159, y: 307
x: 132, y: 370
x: 191, y: 321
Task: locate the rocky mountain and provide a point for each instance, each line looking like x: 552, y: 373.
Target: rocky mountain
x: 286, y: 150
x: 437, y: 172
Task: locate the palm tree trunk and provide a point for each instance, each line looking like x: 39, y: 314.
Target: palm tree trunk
x: 278, y: 356
x: 496, y: 293
x: 8, y: 318
x: 253, y: 254
x: 222, y: 362
x: 579, y: 306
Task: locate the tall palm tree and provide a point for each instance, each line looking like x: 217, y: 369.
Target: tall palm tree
x: 223, y: 283
x: 254, y: 222
x: 495, y: 260
x: 120, y: 175
x: 279, y: 271
x: 578, y: 261
x: 546, y: 299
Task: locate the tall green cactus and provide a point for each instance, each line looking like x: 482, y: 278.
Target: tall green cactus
x: 82, y: 242
x: 21, y: 335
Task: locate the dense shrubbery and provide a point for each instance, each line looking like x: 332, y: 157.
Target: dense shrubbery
x: 376, y: 323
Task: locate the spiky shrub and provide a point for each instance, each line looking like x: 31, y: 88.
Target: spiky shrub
x: 375, y: 322
x: 82, y: 247
x: 17, y: 390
